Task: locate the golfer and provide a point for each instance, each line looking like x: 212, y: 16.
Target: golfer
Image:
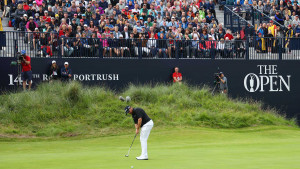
x: 142, y: 123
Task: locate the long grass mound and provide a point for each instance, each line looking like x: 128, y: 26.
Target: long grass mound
x: 64, y: 110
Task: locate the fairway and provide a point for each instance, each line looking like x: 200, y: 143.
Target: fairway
x: 180, y: 148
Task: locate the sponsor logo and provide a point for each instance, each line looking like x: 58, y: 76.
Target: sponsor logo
x: 77, y: 77
x: 268, y: 80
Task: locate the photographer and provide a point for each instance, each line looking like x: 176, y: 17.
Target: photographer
x: 26, y: 74
x: 223, y: 83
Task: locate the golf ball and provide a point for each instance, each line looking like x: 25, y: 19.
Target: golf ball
x: 131, y: 166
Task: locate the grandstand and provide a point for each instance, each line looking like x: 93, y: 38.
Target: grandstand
x: 152, y: 29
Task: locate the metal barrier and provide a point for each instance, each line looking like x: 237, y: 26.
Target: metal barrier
x: 234, y: 19
x: 50, y: 45
x: 250, y: 15
x: 36, y: 44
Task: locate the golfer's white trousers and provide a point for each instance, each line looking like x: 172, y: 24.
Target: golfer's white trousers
x: 145, y: 131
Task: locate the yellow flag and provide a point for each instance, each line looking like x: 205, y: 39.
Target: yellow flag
x: 5, y: 2
x: 1, y: 28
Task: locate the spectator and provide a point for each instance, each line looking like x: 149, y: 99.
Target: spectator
x: 239, y: 47
x: 177, y: 77
x: 54, y: 71
x: 223, y: 83
x: 26, y: 75
x: 66, y: 72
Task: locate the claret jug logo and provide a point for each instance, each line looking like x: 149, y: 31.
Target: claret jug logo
x: 268, y: 80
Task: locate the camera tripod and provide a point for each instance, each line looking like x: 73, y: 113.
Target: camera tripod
x: 216, y: 88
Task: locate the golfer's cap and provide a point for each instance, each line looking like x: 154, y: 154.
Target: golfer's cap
x: 173, y: 17
x: 209, y: 36
x: 141, y: 18
x: 126, y: 6
x: 46, y: 12
x: 271, y: 21
x: 36, y: 29
x: 290, y: 25
x: 81, y: 20
x: 85, y: 25
x: 53, y: 61
x: 23, y: 52
x: 30, y: 18
x: 75, y: 14
x: 34, y: 2
x: 66, y: 63
x: 37, y: 14
x: 259, y: 34
x: 127, y: 109
x: 25, y: 15
x: 83, y: 15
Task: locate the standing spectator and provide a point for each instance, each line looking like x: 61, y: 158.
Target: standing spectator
x: 177, y: 77
x: 66, y: 72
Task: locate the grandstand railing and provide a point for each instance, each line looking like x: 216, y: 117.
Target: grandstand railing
x: 252, y: 48
x: 234, y: 20
x: 251, y: 15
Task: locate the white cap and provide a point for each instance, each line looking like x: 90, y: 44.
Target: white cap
x: 53, y: 61
x: 66, y: 63
x: 34, y: 2
x: 85, y: 25
x: 25, y: 15
x: 121, y: 35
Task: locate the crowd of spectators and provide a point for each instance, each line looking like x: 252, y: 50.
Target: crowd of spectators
x: 155, y: 28
x: 279, y: 19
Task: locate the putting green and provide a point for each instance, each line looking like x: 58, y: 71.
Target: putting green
x: 180, y: 148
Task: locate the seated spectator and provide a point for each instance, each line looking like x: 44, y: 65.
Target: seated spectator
x: 54, y: 71
x: 279, y: 18
x: 66, y: 72
x: 228, y: 35
x: 45, y: 47
x: 239, y: 47
x: 177, y: 77
x: 228, y: 47
x: 162, y: 46
x: 221, y: 47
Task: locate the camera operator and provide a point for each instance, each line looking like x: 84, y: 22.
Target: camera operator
x: 66, y: 72
x: 26, y: 74
x: 223, y: 83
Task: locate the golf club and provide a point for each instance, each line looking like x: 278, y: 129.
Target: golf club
x: 130, y: 146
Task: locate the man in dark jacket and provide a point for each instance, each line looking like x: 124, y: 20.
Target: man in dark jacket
x: 66, y: 72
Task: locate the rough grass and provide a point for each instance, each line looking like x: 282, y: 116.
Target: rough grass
x: 60, y: 109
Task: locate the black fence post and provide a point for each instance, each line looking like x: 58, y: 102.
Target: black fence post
x: 247, y: 47
x: 176, y: 49
x: 253, y: 15
x: 140, y: 49
x: 280, y: 48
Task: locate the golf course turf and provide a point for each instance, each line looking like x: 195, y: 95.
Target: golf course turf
x: 262, y: 147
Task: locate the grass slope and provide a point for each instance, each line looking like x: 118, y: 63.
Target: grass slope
x: 63, y: 110
x: 177, y: 148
